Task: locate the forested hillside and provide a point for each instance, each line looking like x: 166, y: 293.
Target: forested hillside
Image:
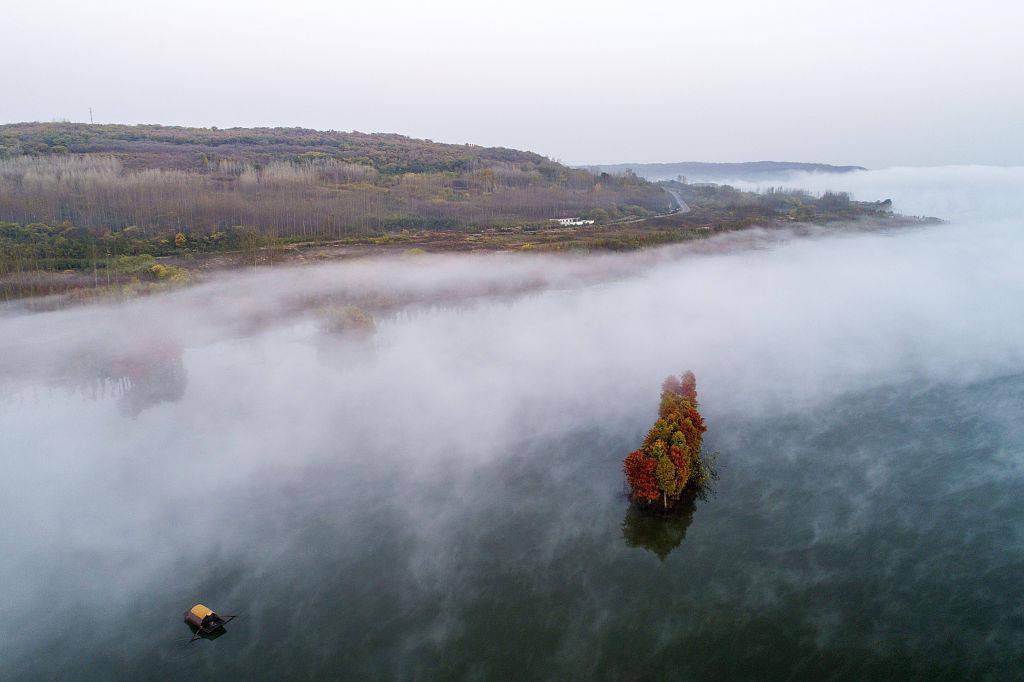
x: 287, y: 182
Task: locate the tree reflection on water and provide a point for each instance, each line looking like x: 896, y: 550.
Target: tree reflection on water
x: 659, y: 533
x: 163, y: 380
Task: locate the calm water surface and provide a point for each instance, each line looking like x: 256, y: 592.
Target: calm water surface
x: 447, y: 502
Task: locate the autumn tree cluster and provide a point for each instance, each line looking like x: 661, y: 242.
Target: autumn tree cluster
x: 669, y: 462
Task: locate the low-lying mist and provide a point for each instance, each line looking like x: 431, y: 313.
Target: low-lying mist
x: 222, y: 427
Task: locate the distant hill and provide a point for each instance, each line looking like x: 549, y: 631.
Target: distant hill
x: 193, y: 149
x: 291, y: 182
x: 698, y: 171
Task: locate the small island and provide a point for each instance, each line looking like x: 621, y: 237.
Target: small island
x: 669, y: 467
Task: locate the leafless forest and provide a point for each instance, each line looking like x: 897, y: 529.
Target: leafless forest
x: 287, y: 182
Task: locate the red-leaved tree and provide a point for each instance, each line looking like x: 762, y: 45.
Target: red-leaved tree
x: 669, y: 462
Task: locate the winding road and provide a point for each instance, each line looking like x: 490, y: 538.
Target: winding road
x: 681, y: 206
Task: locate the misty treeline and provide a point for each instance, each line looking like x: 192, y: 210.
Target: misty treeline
x: 39, y: 259
x: 794, y: 203
x: 288, y: 183
x: 315, y: 199
x: 326, y: 198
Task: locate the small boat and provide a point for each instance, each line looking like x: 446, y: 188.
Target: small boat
x: 205, y: 623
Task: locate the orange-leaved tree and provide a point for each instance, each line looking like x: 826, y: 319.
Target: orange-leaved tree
x: 669, y: 462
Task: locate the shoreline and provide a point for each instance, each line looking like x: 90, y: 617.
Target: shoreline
x: 71, y: 288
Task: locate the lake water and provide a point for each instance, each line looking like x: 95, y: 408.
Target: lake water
x: 446, y: 500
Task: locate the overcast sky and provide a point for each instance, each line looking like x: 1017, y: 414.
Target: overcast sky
x: 870, y: 83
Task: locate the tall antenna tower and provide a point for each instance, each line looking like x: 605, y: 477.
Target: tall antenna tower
x: 90, y: 114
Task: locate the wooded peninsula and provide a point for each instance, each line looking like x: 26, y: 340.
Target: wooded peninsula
x: 87, y: 210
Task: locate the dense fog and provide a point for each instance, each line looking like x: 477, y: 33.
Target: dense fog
x: 144, y: 442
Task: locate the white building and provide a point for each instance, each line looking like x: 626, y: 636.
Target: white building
x: 572, y: 222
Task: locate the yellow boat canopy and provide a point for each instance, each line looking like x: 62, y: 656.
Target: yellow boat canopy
x: 200, y: 611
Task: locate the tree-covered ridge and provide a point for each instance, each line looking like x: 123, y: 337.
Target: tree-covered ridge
x: 669, y: 462
x: 289, y: 182
x: 184, y: 148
